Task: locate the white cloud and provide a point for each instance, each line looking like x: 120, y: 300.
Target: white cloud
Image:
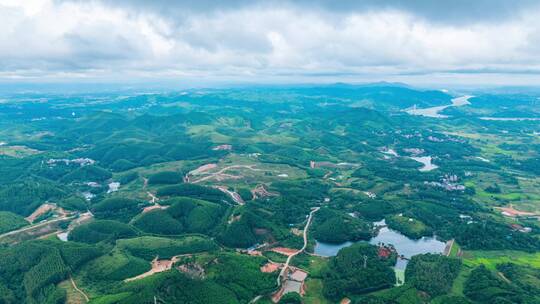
x: 93, y: 39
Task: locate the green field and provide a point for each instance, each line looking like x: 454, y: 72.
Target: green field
x: 148, y: 247
x: 491, y: 258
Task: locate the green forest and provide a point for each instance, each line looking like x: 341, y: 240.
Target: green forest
x: 200, y: 196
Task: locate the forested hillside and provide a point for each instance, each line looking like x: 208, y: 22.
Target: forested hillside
x: 200, y: 196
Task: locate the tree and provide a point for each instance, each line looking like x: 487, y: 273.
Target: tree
x: 291, y: 298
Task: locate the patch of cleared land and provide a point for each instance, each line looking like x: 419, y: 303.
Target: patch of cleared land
x: 239, y: 169
x: 510, y: 211
x: 40, y: 211
x: 17, y: 151
x: 157, y: 266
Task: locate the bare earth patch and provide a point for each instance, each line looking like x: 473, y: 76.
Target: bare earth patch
x: 157, y: 266
x: 285, y: 251
x: 40, y: 211
x: 270, y: 267
x: 510, y: 211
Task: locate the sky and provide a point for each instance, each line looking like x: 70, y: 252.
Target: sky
x: 481, y: 42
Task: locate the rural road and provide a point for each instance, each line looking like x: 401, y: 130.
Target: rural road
x: 35, y: 226
x: 220, y: 172
x: 284, y: 269
x: 80, y: 291
x: 448, y: 247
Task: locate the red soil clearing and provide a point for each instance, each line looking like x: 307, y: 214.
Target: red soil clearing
x: 513, y: 212
x: 40, y: 211
x: 270, y: 267
x: 284, y: 251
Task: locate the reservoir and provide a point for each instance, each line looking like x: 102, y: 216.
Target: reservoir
x: 434, y: 112
x: 405, y: 247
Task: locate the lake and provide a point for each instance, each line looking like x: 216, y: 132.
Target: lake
x: 404, y: 246
x: 407, y: 247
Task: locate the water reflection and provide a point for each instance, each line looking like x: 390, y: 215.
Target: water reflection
x: 405, y: 246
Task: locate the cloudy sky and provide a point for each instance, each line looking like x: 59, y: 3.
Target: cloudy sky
x: 422, y: 41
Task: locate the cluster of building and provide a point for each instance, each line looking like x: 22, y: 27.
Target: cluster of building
x: 79, y: 161
x: 294, y: 282
x: 448, y: 182
x: 222, y: 148
x: 370, y: 194
x: 414, y: 151
x: 434, y: 139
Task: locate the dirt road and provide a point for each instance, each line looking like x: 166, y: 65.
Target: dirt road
x: 80, y: 291
x: 448, y: 247
x: 222, y: 171
x: 36, y: 226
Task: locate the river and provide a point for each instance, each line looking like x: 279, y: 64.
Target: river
x: 434, y: 112
x: 511, y: 118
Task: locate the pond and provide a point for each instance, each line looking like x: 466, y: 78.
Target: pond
x: 63, y: 236
x: 426, y: 161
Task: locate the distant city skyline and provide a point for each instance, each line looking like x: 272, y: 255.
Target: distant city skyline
x: 417, y: 42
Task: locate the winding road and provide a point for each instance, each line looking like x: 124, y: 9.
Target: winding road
x: 289, y: 259
x: 78, y: 290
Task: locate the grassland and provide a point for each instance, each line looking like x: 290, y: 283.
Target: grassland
x: 148, y: 247
x: 17, y: 151
x: 314, y: 293
x: 116, y: 266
